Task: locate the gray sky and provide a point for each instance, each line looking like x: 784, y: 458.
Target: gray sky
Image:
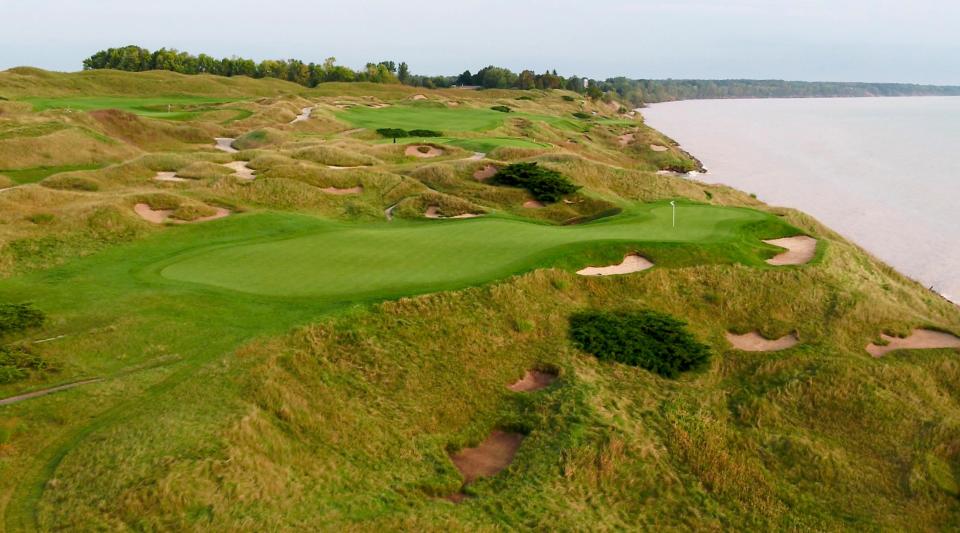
x: 835, y: 40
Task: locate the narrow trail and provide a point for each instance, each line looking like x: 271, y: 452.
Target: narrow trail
x: 44, y: 392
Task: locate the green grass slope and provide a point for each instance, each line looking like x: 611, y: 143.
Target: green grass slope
x: 306, y: 363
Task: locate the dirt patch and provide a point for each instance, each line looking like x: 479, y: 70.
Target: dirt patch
x: 477, y: 156
x: 920, y: 339
x: 430, y: 151
x: 489, y: 458
x: 485, y: 173
x: 533, y: 380
x: 44, y: 392
x: 340, y: 192
x: 418, y: 97
x: 168, y: 176
x: 626, y: 139
x: 160, y: 216
x: 225, y: 144
x: 433, y: 211
x: 754, y: 342
x: 800, y: 250
x: 631, y: 263
x: 658, y: 148
x: 241, y: 170
x: 533, y: 204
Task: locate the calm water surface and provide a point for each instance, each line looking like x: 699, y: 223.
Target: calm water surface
x: 884, y: 172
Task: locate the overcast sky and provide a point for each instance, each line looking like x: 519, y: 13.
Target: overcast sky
x: 834, y: 40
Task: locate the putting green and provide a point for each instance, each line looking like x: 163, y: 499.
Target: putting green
x: 153, y: 107
x: 353, y: 261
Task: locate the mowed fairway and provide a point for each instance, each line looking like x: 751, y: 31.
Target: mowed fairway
x: 353, y: 261
x: 423, y: 117
x: 153, y: 107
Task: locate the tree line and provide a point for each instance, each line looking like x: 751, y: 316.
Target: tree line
x: 636, y: 92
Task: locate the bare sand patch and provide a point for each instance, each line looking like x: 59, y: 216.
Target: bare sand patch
x: 225, y: 144
x: 485, y: 173
x: 431, y: 151
x: 533, y: 380
x: 919, y: 339
x: 378, y: 106
x: 754, y: 342
x: 489, y: 458
x: 800, y: 250
x: 340, y: 192
x: 433, y: 211
x: 626, y: 139
x: 160, y: 216
x: 241, y: 170
x: 418, y: 97
x: 658, y: 148
x: 631, y: 263
x: 533, y: 204
x: 304, y: 115
x: 168, y: 176
x: 477, y: 156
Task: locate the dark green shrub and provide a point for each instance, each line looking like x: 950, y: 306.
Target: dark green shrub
x: 41, y: 219
x: 425, y: 133
x: 544, y: 184
x: 392, y: 133
x: 524, y: 97
x: 647, y: 339
x: 501, y: 108
x: 568, y: 98
x: 583, y: 116
x: 18, y: 317
x: 16, y: 362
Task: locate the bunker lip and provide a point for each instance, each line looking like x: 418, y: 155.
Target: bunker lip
x: 225, y: 144
x: 631, y: 263
x: 533, y: 380
x: 919, y: 339
x: 169, y: 176
x: 413, y: 151
x: 433, y: 211
x: 340, y: 192
x: 488, y: 458
x: 485, y: 173
x: 160, y: 216
x: 241, y: 170
x: 800, y: 250
x: 754, y: 342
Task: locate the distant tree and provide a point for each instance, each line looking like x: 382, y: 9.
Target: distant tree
x: 403, y: 73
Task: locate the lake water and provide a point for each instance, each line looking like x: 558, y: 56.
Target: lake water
x: 884, y: 172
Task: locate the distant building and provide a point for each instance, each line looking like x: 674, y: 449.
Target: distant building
x: 586, y: 83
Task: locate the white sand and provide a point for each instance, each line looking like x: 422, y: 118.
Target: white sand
x: 920, y: 339
x: 477, y: 156
x: 241, y: 170
x: 418, y: 97
x: 432, y: 152
x: 168, y: 176
x: 433, y: 211
x: 631, y: 263
x: 159, y: 216
x: 225, y: 144
x: 754, y: 342
x: 800, y: 250
x: 304, y: 115
x: 351, y: 190
x: 658, y: 148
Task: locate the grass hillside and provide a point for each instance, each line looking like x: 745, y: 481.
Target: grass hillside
x: 260, y: 314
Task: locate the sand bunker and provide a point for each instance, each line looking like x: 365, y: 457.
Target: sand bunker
x: 800, y: 250
x: 625, y: 139
x: 433, y: 211
x: 920, y: 339
x: 489, y: 458
x: 304, y: 115
x: 351, y: 190
x: 378, y: 106
x: 418, y: 97
x: 485, y: 173
x: 160, y: 216
x: 533, y: 204
x: 168, y: 176
x: 477, y: 156
x: 631, y: 263
x: 241, y: 170
x: 533, y: 380
x: 225, y: 144
x: 415, y: 151
x: 754, y: 342
x: 658, y: 148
